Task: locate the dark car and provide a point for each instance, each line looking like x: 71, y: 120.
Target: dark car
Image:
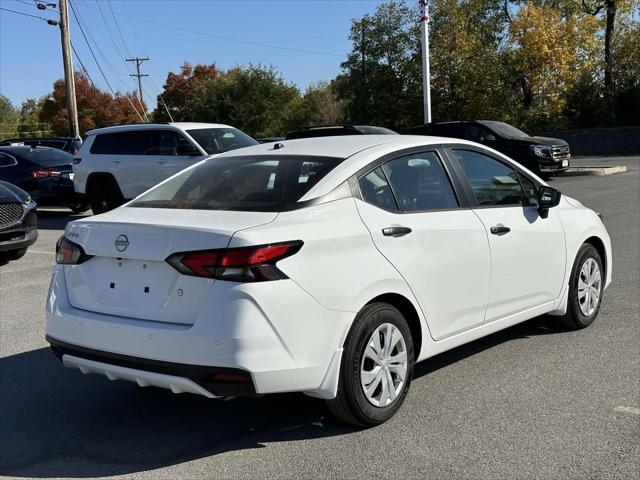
x: 68, y: 144
x: 543, y: 156
x: 336, y: 130
x: 45, y: 173
x: 18, y: 222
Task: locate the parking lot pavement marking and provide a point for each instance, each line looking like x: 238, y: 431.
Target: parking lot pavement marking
x: 44, y: 253
x: 631, y: 410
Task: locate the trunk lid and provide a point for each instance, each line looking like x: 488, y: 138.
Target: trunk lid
x: 128, y: 275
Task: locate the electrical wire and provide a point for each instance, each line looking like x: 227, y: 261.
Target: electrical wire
x: 118, y: 27
x: 73, y: 10
x: 229, y: 39
x: 82, y: 65
x: 27, y: 14
x: 113, y: 41
x: 149, y: 78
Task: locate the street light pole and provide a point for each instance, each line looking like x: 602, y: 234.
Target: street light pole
x: 426, y: 79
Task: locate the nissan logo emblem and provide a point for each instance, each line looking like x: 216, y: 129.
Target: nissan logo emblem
x: 122, y: 242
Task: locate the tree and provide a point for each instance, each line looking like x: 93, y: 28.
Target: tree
x: 95, y: 107
x: 9, y: 117
x: 611, y: 9
x: 548, y: 54
x: 468, y: 75
x: 253, y: 98
x: 179, y: 90
x: 378, y: 81
x: 318, y: 106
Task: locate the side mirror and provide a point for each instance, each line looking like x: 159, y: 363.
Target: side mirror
x: 547, y: 198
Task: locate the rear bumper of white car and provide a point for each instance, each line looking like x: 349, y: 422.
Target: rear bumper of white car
x: 256, y: 338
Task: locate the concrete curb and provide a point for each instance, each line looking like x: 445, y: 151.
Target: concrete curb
x: 592, y: 171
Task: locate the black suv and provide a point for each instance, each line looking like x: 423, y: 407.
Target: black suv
x: 337, y: 130
x: 543, y: 156
x: 68, y: 144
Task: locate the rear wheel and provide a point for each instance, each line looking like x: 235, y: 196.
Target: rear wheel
x: 376, y: 369
x: 104, y: 196
x: 585, y: 290
x: 13, y: 254
x: 78, y: 207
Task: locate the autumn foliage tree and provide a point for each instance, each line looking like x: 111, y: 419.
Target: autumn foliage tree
x: 95, y: 107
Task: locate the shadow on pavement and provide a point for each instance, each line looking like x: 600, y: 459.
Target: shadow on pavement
x: 55, y: 422
x: 57, y: 219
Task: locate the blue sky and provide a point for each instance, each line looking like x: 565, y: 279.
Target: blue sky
x: 304, y: 39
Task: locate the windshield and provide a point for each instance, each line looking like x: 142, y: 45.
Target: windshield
x: 504, y: 130
x: 218, y: 140
x: 246, y: 183
x: 45, y: 156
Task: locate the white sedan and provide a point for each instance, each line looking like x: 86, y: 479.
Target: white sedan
x: 327, y: 266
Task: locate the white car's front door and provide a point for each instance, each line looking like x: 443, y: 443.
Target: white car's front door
x: 528, y: 253
x: 409, y: 206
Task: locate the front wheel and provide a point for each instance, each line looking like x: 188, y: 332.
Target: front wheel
x: 376, y: 369
x: 585, y: 290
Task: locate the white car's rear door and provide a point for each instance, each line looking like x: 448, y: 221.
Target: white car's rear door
x: 439, y: 247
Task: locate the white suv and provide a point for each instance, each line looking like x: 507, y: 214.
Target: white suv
x: 118, y: 163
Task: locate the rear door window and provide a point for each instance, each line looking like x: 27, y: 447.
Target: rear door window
x: 420, y: 182
x: 138, y: 142
x: 375, y: 189
x: 7, y: 160
x: 252, y: 183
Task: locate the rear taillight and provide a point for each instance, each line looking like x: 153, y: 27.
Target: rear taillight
x: 77, y: 160
x: 246, y: 264
x: 69, y: 253
x: 38, y: 174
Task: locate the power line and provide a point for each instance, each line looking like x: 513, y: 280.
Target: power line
x: 73, y: 10
x: 150, y: 78
x: 118, y: 27
x: 230, y: 39
x: 48, y: 20
x: 82, y: 65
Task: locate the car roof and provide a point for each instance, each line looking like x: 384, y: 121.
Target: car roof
x: 340, y: 146
x: 32, y: 139
x: 27, y: 148
x: 143, y: 126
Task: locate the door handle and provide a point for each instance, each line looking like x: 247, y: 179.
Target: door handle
x: 500, y: 230
x: 395, y: 231
x: 162, y: 162
x: 117, y: 162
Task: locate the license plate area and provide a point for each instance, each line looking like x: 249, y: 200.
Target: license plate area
x: 565, y: 163
x: 148, y: 290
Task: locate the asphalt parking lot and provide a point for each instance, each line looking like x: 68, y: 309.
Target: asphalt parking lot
x: 532, y: 401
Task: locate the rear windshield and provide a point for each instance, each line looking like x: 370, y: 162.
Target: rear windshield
x: 218, y: 140
x: 45, y: 156
x: 251, y: 183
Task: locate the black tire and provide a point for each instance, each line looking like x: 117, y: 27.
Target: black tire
x: 351, y: 405
x: 13, y: 254
x: 78, y: 207
x: 575, y: 318
x: 104, y: 196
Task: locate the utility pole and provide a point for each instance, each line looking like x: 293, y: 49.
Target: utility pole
x: 69, y: 80
x: 426, y: 79
x: 139, y: 61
